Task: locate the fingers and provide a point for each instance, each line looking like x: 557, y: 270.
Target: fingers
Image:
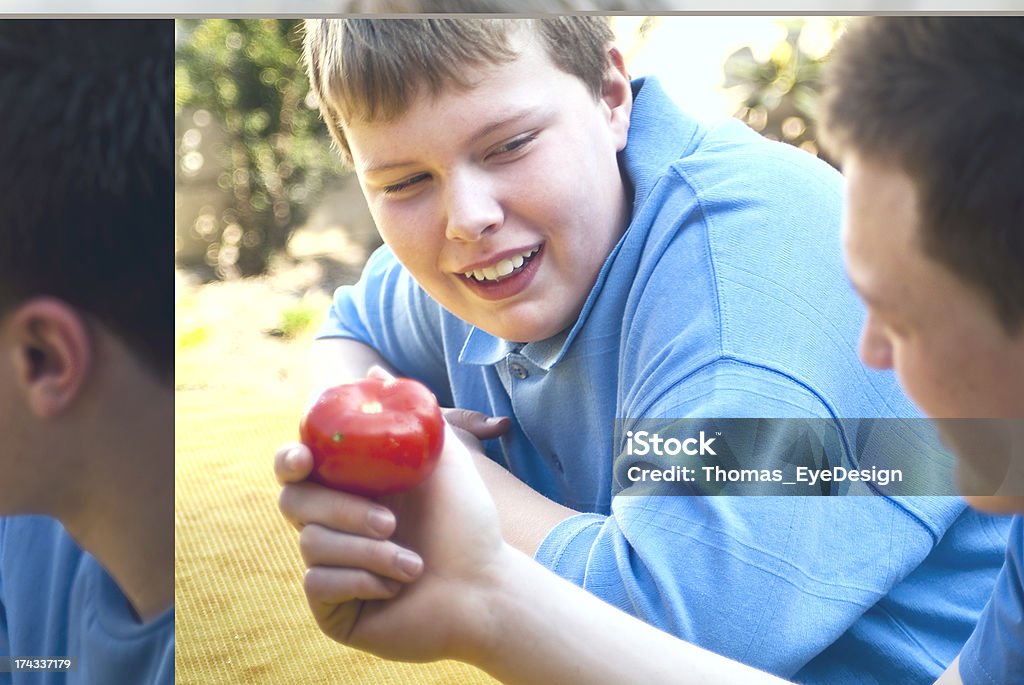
x: 480, y: 425
x: 323, y: 548
x: 307, y: 503
x: 293, y: 463
x: 379, y: 372
x: 326, y: 586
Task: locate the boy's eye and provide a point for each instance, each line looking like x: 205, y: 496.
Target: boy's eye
x: 515, y: 145
x: 404, y: 184
x: 889, y: 328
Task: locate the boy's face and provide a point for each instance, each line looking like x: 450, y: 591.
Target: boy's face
x: 940, y: 336
x: 514, y: 182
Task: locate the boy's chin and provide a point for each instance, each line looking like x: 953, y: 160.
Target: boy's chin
x: 527, y: 322
x: 522, y: 332
x: 998, y: 491
x: 997, y: 504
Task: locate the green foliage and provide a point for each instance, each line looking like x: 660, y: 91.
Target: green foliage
x: 781, y: 92
x: 296, y: 318
x: 248, y: 75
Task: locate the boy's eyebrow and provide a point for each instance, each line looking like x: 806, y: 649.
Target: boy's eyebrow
x: 481, y: 132
x: 513, y: 118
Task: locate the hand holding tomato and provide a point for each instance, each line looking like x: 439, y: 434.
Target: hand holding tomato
x: 378, y: 570
x: 375, y: 436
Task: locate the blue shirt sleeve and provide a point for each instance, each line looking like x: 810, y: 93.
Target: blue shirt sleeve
x: 389, y: 312
x: 709, y: 570
x: 994, y: 654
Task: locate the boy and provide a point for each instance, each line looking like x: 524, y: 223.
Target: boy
x: 86, y: 352
x: 565, y: 248
x: 926, y: 115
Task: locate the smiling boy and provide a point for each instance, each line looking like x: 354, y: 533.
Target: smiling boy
x: 505, y: 223
x: 667, y: 269
x: 86, y: 352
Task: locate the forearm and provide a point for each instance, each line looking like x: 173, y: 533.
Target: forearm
x: 542, y: 629
x: 339, y: 360
x: 526, y: 515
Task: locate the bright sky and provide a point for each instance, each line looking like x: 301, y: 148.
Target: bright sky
x: 687, y: 54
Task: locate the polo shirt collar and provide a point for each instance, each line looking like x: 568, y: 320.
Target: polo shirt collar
x: 654, y: 120
x: 483, y: 349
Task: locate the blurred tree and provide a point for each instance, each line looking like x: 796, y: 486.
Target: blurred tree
x: 781, y: 92
x: 248, y: 75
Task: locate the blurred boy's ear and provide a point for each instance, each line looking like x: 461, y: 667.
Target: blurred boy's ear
x: 51, y: 353
x: 617, y: 93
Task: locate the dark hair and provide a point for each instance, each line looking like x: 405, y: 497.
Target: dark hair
x: 87, y: 175
x: 942, y: 99
x: 371, y: 69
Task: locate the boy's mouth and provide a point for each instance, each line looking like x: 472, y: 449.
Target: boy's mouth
x: 507, y: 277
x: 503, y: 269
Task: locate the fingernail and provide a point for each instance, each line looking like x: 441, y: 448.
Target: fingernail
x: 291, y: 460
x: 408, y: 563
x: 381, y: 521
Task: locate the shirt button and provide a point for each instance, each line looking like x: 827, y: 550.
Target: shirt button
x: 519, y: 371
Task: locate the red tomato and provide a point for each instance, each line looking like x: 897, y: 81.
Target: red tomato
x: 373, y: 436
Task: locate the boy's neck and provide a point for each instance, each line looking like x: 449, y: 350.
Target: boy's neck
x: 133, y: 540
x: 126, y: 519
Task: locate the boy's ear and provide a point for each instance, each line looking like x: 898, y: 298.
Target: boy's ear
x: 52, y: 354
x: 617, y: 93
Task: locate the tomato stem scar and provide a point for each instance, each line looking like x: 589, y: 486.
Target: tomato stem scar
x: 372, y: 407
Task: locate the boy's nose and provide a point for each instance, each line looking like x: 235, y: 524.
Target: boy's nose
x: 472, y: 208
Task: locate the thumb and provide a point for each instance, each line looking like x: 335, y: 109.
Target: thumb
x: 380, y: 372
x: 482, y: 426
x: 293, y: 462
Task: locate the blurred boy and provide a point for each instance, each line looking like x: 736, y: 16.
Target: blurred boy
x: 86, y: 350
x: 927, y: 117
x: 564, y: 248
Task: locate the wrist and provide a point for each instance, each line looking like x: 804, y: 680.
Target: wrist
x: 492, y: 608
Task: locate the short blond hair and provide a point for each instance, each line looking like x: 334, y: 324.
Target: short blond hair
x: 372, y: 69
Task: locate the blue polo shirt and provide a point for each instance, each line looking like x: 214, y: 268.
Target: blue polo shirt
x: 57, y: 601
x: 725, y: 297
x: 994, y: 654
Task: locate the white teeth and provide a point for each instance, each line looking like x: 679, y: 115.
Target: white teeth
x: 502, y: 268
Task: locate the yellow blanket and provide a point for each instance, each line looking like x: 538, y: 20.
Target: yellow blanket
x: 241, y: 613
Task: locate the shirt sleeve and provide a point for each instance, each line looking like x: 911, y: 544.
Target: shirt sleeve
x: 772, y: 581
x: 388, y: 311
x: 994, y: 654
